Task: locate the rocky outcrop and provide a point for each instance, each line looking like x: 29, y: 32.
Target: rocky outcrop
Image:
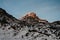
x: 33, y: 16
x: 29, y: 27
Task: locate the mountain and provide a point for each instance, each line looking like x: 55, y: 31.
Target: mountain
x: 8, y: 22
x: 32, y: 18
x: 7, y: 19
x: 29, y: 27
x: 32, y: 15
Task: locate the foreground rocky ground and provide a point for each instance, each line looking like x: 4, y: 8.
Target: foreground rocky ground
x: 29, y: 27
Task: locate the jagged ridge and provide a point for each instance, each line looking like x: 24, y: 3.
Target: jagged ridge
x: 31, y: 23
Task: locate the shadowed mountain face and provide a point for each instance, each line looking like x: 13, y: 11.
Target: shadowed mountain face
x: 8, y: 20
x: 29, y: 27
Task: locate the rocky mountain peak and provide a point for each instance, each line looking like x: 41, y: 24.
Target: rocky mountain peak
x: 30, y: 27
x: 31, y: 14
x: 32, y: 18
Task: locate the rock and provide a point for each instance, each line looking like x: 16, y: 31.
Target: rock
x: 29, y: 27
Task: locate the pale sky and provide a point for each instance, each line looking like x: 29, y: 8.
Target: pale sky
x: 45, y: 9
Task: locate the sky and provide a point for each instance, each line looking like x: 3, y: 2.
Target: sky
x: 45, y: 9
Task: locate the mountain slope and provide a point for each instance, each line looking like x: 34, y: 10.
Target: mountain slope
x: 29, y: 27
x: 7, y: 19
